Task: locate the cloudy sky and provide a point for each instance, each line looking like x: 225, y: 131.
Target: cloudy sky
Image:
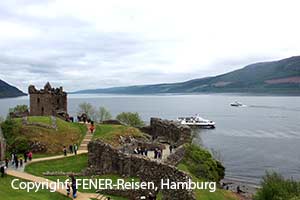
x: 97, y: 44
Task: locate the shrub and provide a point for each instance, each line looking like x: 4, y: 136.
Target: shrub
x: 275, y: 187
x: 19, y: 109
x: 201, y: 163
x: 21, y: 144
x: 130, y: 119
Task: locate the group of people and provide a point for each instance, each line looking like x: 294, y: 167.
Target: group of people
x: 144, y: 152
x: 158, y: 152
x: 16, y: 161
x: 141, y: 151
x: 73, y: 148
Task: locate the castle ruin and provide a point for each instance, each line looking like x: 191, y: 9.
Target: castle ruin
x: 2, y: 146
x: 48, y: 101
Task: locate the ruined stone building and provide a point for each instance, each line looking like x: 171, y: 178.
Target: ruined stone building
x: 2, y: 146
x: 47, y: 101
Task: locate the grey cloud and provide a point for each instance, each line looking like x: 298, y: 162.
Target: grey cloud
x: 73, y: 52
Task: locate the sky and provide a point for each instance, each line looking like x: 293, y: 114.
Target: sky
x: 87, y: 44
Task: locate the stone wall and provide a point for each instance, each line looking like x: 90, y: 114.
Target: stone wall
x: 176, y: 157
x: 19, y: 114
x: 104, y: 159
x: 2, y: 146
x: 169, y: 131
x: 112, y: 121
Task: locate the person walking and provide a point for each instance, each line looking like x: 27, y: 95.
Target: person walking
x: 155, y: 153
x: 21, y: 162
x: 13, y: 158
x: 16, y: 162
x: 159, y: 154
x: 171, y: 148
x: 75, y: 148
x: 6, y: 162
x: 68, y: 189
x: 92, y: 127
x: 74, y: 186
x: 65, y: 151
x: 25, y: 156
x: 71, y: 148
x: 29, y: 156
x: 2, y: 170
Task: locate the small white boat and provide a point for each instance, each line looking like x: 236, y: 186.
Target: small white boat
x: 197, y: 121
x: 237, y: 104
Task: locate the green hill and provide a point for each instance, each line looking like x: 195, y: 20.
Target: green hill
x: 39, y: 135
x: 7, y: 90
x: 281, y: 76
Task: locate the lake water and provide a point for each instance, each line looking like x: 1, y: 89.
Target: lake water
x: 265, y: 135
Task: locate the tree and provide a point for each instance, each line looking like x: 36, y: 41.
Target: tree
x: 19, y: 109
x: 88, y: 109
x: 104, y: 114
x: 130, y: 119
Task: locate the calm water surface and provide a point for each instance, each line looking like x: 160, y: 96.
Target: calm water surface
x: 265, y: 135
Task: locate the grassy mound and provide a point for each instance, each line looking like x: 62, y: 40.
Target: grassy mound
x: 111, y: 133
x: 19, y: 136
x: 201, y: 163
x: 8, y: 193
x: 201, y: 166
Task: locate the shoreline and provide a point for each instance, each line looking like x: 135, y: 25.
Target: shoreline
x: 247, y: 188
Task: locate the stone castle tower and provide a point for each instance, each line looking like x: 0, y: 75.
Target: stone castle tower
x: 47, y: 101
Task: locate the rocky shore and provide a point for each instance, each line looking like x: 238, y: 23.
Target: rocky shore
x: 244, y: 189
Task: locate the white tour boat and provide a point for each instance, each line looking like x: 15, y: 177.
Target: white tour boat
x: 197, y: 121
x: 237, y: 104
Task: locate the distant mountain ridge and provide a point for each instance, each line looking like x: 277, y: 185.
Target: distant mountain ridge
x: 7, y: 90
x: 282, y: 76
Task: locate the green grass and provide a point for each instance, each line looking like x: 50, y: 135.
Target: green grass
x: 111, y: 133
x: 8, y: 193
x: 219, y: 194
x: 68, y: 164
x: 40, y: 119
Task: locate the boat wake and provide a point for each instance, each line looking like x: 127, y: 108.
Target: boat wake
x: 275, y: 107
